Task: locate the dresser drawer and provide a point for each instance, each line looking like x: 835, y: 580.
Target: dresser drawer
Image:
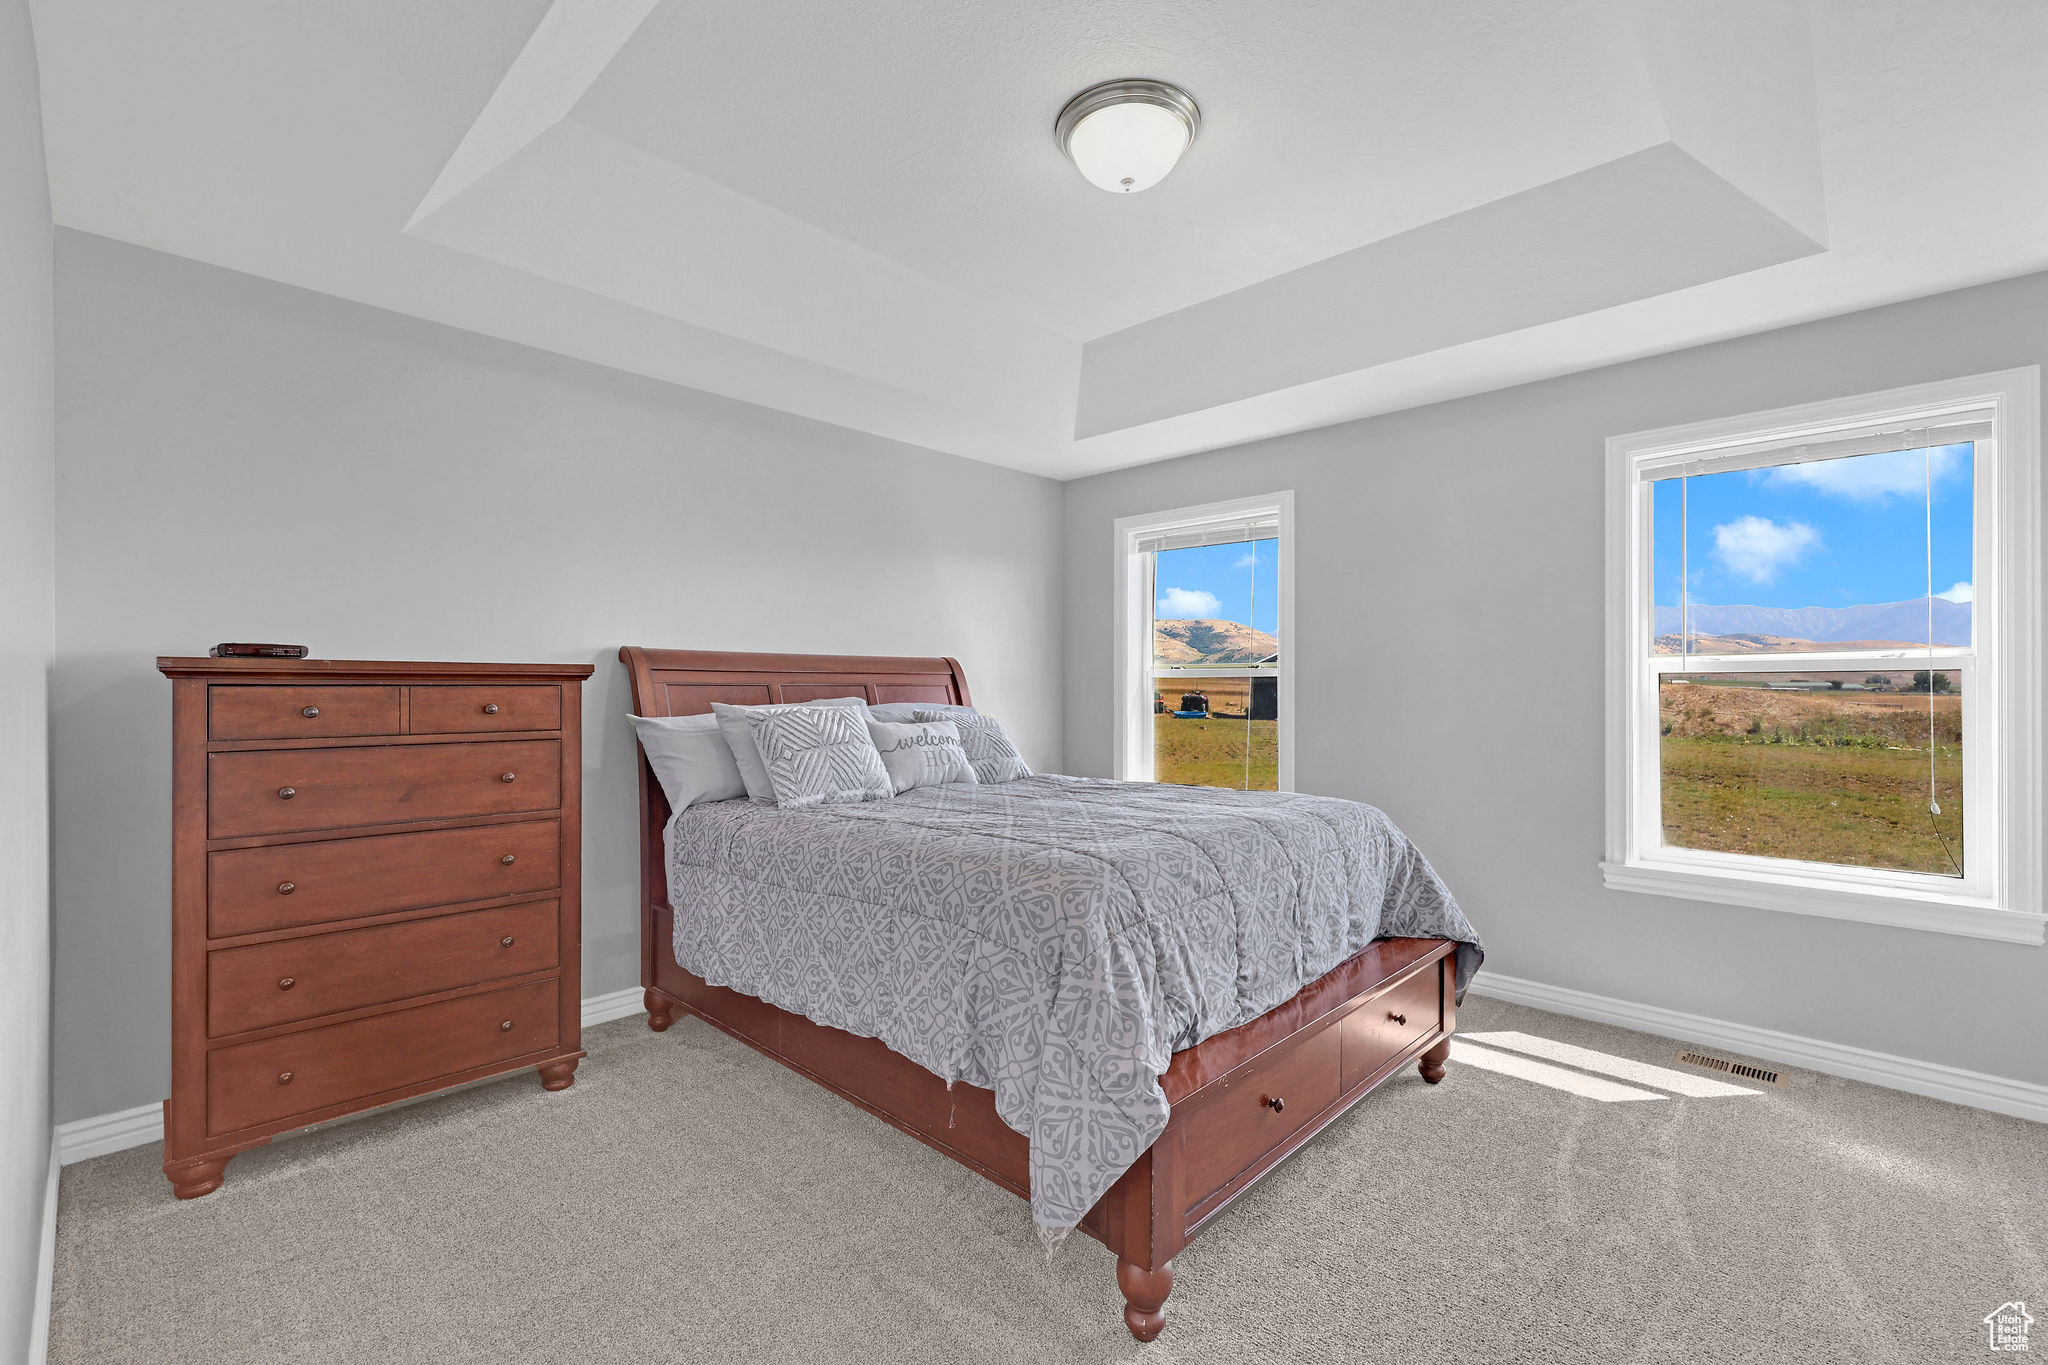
x: 281, y: 791
x: 299, y: 978
x: 253, y: 1083
x: 458, y: 710
x: 283, y: 886
x: 300, y: 712
x: 1233, y: 1129
x: 1380, y: 1030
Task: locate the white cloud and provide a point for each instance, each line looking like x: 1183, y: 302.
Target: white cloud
x: 1961, y: 592
x: 1187, y: 604
x: 1246, y: 560
x: 1757, y: 547
x: 1868, y: 478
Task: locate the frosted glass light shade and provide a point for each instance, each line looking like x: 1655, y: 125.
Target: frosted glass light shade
x: 1125, y: 136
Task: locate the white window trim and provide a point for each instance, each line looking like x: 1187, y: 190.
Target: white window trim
x: 2004, y: 900
x: 1131, y: 702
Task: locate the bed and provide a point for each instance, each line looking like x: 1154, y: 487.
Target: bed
x: 1142, y: 1149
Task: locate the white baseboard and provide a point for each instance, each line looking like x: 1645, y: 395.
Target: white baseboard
x: 82, y: 1139
x: 2021, y: 1099
x: 602, y: 1009
x: 46, y: 1266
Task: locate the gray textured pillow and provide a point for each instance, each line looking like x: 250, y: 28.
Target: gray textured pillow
x: 904, y: 712
x: 989, y: 750
x: 819, y: 755
x: 690, y: 758
x: 921, y: 755
x: 732, y: 723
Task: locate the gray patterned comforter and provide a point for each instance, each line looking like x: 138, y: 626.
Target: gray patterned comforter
x: 1054, y: 939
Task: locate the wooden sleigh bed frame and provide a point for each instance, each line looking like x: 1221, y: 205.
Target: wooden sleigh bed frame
x: 1242, y: 1101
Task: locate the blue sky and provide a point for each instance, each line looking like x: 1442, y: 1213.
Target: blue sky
x: 1216, y: 582
x: 1829, y: 533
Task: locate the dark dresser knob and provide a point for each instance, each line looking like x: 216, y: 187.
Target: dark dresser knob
x: 287, y: 793
x: 1276, y: 1104
x: 507, y: 777
x: 490, y: 708
x: 505, y: 942
x: 286, y: 888
x: 507, y: 860
x: 310, y: 712
x: 284, y: 1078
x: 506, y: 1025
x: 1397, y: 1018
x: 284, y: 983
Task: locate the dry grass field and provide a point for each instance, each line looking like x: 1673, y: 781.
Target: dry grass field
x: 1833, y: 777
x: 1211, y: 753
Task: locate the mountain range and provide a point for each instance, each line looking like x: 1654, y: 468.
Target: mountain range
x: 1210, y: 642
x: 1888, y: 622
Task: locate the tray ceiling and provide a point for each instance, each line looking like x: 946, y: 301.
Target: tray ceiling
x: 856, y: 212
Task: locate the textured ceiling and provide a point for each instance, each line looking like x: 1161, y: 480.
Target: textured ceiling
x: 855, y: 211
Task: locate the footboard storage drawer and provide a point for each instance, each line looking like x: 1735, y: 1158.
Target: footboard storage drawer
x: 372, y: 897
x: 302, y: 712
x: 1386, y: 1026
x: 281, y: 791
x: 300, y: 978
x: 280, y: 886
x: 1251, y: 1113
x: 455, y: 710
x: 301, y: 1073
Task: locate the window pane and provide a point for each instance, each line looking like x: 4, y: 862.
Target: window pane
x: 1828, y: 554
x: 1217, y: 732
x: 1823, y: 767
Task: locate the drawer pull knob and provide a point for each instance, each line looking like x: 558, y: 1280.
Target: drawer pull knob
x: 284, y: 1078
x: 1401, y: 1019
x: 284, y: 983
x: 286, y: 888
x: 507, y: 777
x: 505, y: 942
x: 490, y: 708
x: 507, y: 1025
x: 310, y: 712
x: 507, y: 860
x: 287, y: 793
x: 1276, y: 1104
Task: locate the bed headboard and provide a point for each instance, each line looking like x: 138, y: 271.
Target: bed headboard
x: 684, y: 682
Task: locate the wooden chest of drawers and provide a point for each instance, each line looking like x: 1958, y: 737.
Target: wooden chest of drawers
x: 375, y: 878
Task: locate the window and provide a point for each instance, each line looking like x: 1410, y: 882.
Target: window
x: 1823, y: 666
x: 1203, y: 615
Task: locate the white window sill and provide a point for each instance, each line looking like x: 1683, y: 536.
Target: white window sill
x: 1968, y: 916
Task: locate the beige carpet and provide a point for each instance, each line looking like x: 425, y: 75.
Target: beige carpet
x: 688, y: 1200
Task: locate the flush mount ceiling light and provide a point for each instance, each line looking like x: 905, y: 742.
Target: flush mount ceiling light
x: 1126, y: 135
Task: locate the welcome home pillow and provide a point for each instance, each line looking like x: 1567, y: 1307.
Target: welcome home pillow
x: 921, y: 755
x: 989, y: 751
x: 819, y: 756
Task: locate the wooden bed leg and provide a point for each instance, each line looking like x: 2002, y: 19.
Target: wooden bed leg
x: 559, y: 1075
x: 1145, y: 1294
x: 661, y: 1011
x: 1432, y: 1064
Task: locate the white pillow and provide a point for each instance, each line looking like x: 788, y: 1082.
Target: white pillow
x: 818, y: 755
x: 732, y: 723
x: 690, y: 759
x: 989, y: 750
x: 904, y: 712
x: 921, y: 755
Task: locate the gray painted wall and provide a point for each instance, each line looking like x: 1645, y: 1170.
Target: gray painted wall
x: 1449, y: 610
x: 244, y: 460
x: 27, y: 565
